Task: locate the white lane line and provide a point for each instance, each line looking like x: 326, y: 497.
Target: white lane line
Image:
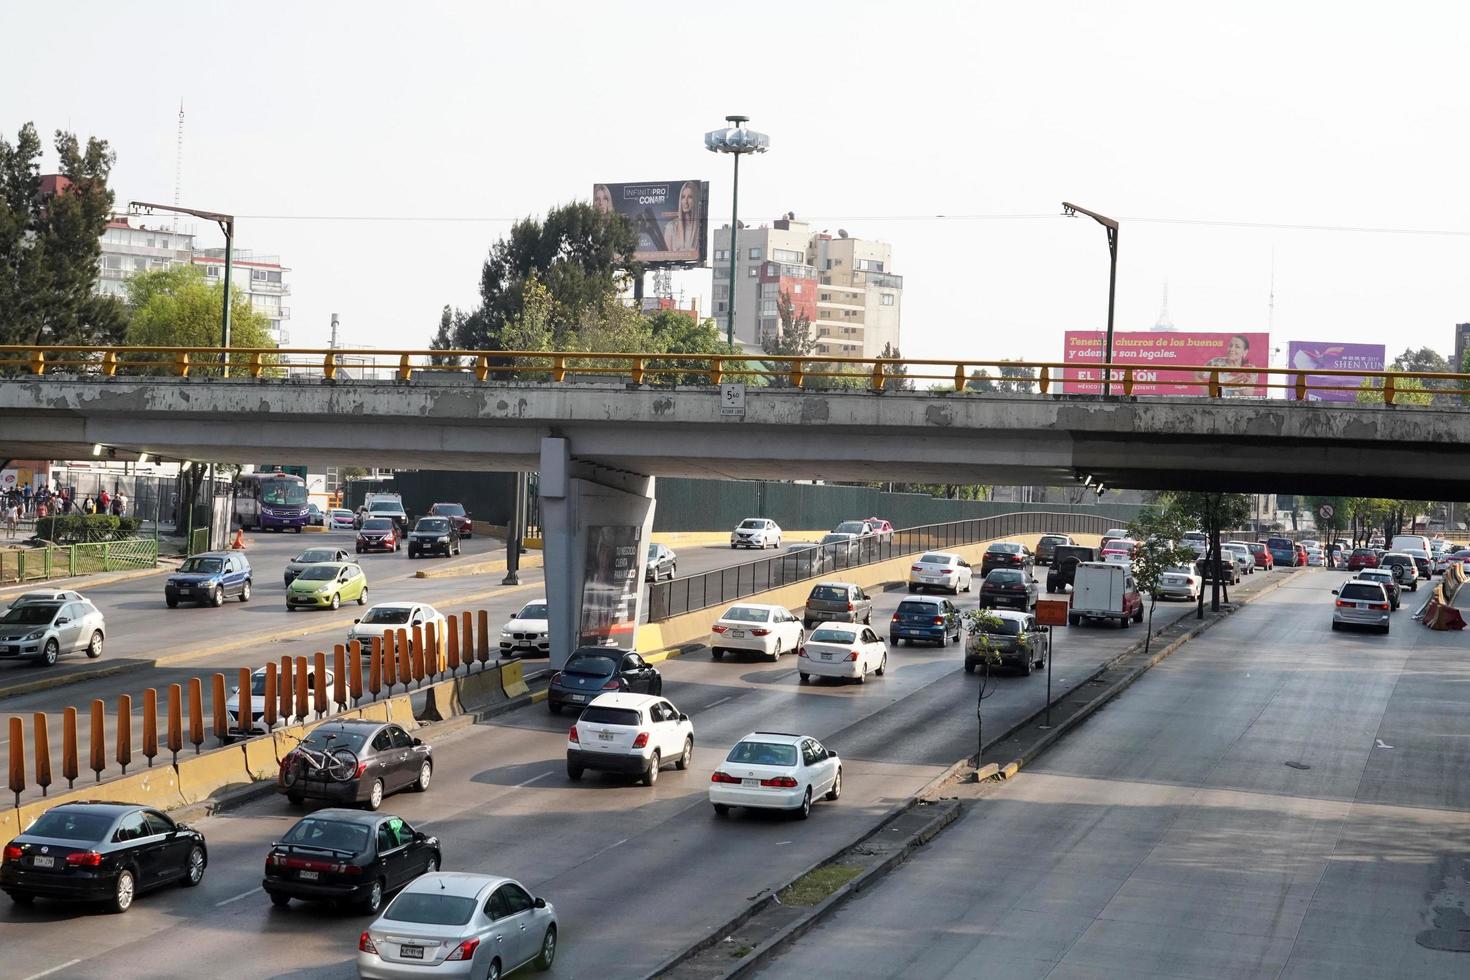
x: 532, y: 780
x: 605, y: 850
x: 238, y: 897
x: 721, y: 701
x: 55, y: 969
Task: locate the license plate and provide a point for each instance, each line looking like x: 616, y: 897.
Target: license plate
x: 309, y: 876
x: 737, y: 634
x: 826, y: 656
x: 184, y: 590
x: 43, y: 862
x: 750, y: 782
x: 411, y: 952
x: 604, y: 736
x: 577, y: 697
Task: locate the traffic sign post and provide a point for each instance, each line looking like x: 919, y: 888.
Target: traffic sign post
x: 1050, y: 613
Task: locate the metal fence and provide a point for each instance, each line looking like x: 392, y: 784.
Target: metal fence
x: 669, y: 599
x: 64, y: 561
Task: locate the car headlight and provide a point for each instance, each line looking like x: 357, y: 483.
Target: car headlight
x: 35, y: 636
x: 505, y: 632
x: 323, y: 589
x: 444, y: 539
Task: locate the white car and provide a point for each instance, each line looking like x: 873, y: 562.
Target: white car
x: 527, y: 633
x: 1241, y: 552
x: 340, y: 519
x: 776, y: 771
x: 940, y: 570
x: 1180, y: 582
x: 846, y: 650
x: 767, y: 630
x: 756, y: 532
x: 257, y: 699
x: 394, y: 616
x: 629, y: 733
x: 1314, y: 557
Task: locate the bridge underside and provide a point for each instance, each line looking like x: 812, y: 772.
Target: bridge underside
x: 1235, y: 444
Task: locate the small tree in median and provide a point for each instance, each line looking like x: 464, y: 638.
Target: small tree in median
x: 1158, y: 534
x: 980, y: 626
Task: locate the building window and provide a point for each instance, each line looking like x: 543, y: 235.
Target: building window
x: 140, y: 264
x: 796, y: 289
x: 722, y: 255
x: 722, y: 292
x: 825, y: 297
x: 212, y: 271
x: 721, y: 272
x: 720, y: 307
x: 887, y: 299
x: 755, y: 253
x: 786, y: 255
x: 112, y: 262
x: 755, y: 270
x: 768, y: 307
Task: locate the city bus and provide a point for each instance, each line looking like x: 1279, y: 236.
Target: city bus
x: 273, y: 501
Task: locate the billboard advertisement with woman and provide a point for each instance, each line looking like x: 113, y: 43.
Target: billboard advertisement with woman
x: 1152, y: 354
x: 671, y: 218
x: 611, y: 581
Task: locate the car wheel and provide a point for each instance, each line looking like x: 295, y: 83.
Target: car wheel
x: 94, y: 649
x: 123, y: 892
x: 722, y: 810
x: 776, y: 654
x: 1336, y: 626
x: 432, y: 864
x: 193, y: 868
x: 218, y: 598
x: 279, y: 900
x: 548, y: 950
x: 895, y: 641
x: 882, y: 665
x: 805, y: 810
x: 359, y: 550
x: 553, y: 707
x: 836, y: 790
x: 687, y: 755
x: 913, y: 588
x: 375, y: 795
x: 805, y: 678
x: 295, y: 799
x: 362, y: 596
x: 171, y: 603
x: 1026, y: 667
x: 862, y: 677
x: 336, y: 600
x: 373, y: 903
x: 574, y: 773
x: 49, y: 653
x: 426, y: 773
x: 650, y: 775
x: 969, y: 667
x: 245, y: 591
x: 868, y: 618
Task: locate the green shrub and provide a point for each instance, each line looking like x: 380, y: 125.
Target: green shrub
x: 84, y: 528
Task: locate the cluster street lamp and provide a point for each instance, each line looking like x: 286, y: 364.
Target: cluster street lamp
x: 1071, y: 211
x: 735, y: 140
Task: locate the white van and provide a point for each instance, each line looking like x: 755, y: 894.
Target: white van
x: 1402, y: 541
x: 1105, y: 590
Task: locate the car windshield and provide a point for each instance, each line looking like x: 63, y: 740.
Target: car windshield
x: 202, y: 566
x: 850, y: 527
x: 64, y: 824
x: 1053, y: 539
x: 832, y: 636
x: 798, y: 548
x: 612, y: 716
x: 282, y: 492
x: 1002, y: 547
x: 351, y: 738
x: 1280, y: 544
x: 339, y: 836
x: 1361, y: 591
x: 746, y: 614
x: 1374, y: 575
x: 1179, y: 570
x: 318, y: 573
x: 387, y: 615
x: 447, y: 510
x: 342, y: 513
x: 257, y: 683
x: 31, y: 613
x: 935, y: 559
x: 835, y: 538
x: 652, y: 552
x: 386, y: 506
x: 315, y: 555
x: 1003, y: 627
x: 591, y: 664
x: 763, y: 754
x: 752, y: 524
x: 831, y: 593
x: 377, y: 524
x: 532, y: 610
x: 431, y: 908
x: 1004, y: 576
x: 913, y: 608
x: 433, y: 525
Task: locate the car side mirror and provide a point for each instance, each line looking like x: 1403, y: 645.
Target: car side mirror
x: 356, y: 621
x: 683, y: 717
x: 420, y: 836
x: 1334, y: 592
x: 540, y: 903
x: 62, y: 621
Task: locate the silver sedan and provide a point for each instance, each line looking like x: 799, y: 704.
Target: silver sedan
x: 44, y: 630
x: 455, y: 924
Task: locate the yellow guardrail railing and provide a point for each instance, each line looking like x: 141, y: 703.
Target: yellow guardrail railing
x: 557, y: 367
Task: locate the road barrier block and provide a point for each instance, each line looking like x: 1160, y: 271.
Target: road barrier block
x: 513, y: 679
x: 400, y: 710
x: 376, y: 711
x: 202, y: 776
x: 261, y: 760
x: 10, y: 825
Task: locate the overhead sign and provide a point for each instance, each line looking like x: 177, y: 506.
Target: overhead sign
x: 671, y: 218
x: 1307, y: 355
x: 1153, y: 352
x: 732, y: 399
x: 1051, y: 612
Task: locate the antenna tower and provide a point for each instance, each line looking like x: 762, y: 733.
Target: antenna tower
x: 178, y: 163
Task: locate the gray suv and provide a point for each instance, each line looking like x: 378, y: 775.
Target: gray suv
x: 839, y: 602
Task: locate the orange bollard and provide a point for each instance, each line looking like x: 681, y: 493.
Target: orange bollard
x: 390, y: 660
x: 196, y: 713
x: 268, y: 698
x: 288, y: 687
x: 354, y: 670
x: 17, y: 758
x: 339, y: 676
x: 98, y: 738
x: 451, y: 635
x: 245, y: 704
x: 124, y: 734
x: 418, y: 653
x: 375, y: 667
x: 466, y: 639
x: 70, y: 761
x: 150, y: 725
x: 43, y: 753
x: 405, y: 659
x: 482, y: 651
x: 319, y: 684
x: 433, y: 659
x: 175, y: 720
x: 217, y: 699
x: 303, y: 689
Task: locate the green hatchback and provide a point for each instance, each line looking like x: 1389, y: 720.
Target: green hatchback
x: 327, y: 585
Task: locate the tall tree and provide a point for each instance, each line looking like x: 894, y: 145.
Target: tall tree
x: 581, y: 256
x: 1158, y: 533
x: 177, y: 307
x: 50, y: 243
x: 1211, y: 512
x: 898, y: 374
x: 444, y: 338
x: 1011, y: 379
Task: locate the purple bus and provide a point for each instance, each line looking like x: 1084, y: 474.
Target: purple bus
x: 270, y: 501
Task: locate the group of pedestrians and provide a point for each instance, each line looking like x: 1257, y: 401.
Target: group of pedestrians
x: 47, y: 502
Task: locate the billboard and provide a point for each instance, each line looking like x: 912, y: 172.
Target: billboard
x: 1306, y: 355
x: 1154, y: 351
x: 611, y: 583
x: 671, y: 218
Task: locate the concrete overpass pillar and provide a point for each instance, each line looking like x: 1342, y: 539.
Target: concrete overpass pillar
x: 595, y: 525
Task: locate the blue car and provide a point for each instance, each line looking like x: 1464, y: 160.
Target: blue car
x: 1283, y: 552
x: 210, y: 577
x: 932, y: 620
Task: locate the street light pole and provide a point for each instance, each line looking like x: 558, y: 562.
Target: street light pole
x: 1072, y: 210
x: 735, y: 140
x: 226, y: 224
x: 734, y: 249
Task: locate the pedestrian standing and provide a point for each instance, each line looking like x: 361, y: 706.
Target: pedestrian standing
x: 120, y: 504
x: 88, y: 507
x: 12, y: 517
x: 25, y: 497
x: 102, y: 501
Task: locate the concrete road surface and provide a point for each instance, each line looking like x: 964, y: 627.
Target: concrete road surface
x: 1276, y: 800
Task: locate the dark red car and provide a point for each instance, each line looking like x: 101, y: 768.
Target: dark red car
x: 457, y: 516
x: 378, y: 534
x: 1362, y: 558
x: 1262, y: 555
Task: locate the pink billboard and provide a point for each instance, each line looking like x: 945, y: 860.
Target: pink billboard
x: 1154, y: 352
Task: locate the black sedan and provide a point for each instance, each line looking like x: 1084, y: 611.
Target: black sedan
x: 1007, y: 554
x: 1007, y: 639
x: 101, y: 852
x: 590, y: 671
x: 388, y: 759
x: 347, y: 856
x: 433, y: 536
x: 1008, y: 587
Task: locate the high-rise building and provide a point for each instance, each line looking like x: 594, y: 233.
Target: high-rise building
x: 129, y: 249
x: 261, y: 277
x: 841, y: 284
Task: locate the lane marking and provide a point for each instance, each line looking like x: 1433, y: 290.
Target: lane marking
x: 238, y: 897
x: 609, y: 847
x: 532, y: 780
x: 54, y: 969
x: 721, y: 701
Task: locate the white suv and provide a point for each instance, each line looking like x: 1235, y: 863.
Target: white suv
x: 629, y: 733
x: 776, y: 771
x: 756, y: 532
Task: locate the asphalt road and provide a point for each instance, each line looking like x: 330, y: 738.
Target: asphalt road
x: 636, y: 873
x: 1275, y: 800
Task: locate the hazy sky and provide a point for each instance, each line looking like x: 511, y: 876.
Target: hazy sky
x: 881, y: 116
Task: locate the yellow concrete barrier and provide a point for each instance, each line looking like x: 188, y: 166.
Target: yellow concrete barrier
x: 261, y: 760
x: 513, y: 679
x: 202, y: 776
x: 10, y: 825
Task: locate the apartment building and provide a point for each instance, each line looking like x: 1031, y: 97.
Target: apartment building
x: 128, y: 249
x: 261, y: 277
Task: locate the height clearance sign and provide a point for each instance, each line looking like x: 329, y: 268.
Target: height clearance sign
x: 1154, y: 352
